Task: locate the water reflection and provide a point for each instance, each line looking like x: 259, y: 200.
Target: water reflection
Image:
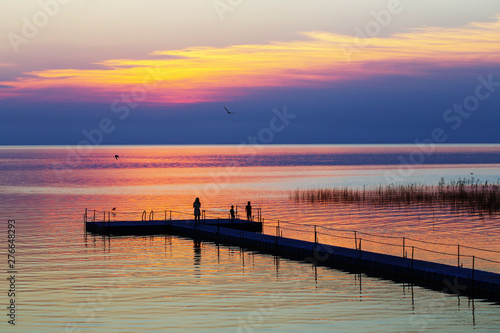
x: 162, y: 283
x: 197, y: 256
x: 419, y: 302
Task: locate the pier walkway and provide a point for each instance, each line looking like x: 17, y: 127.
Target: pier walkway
x: 247, y: 234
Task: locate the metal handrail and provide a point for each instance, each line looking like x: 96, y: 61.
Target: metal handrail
x: 404, y: 246
x: 328, y: 233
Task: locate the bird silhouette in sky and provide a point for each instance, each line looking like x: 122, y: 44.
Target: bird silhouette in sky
x: 114, y: 208
x: 229, y: 112
x: 116, y: 156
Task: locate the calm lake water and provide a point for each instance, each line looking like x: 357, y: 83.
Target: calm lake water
x: 70, y: 281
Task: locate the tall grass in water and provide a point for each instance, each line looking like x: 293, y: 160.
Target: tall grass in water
x: 462, y: 194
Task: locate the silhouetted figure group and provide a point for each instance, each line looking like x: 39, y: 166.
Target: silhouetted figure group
x: 232, y: 213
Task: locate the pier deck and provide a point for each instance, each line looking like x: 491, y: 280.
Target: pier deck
x: 160, y: 227
x: 441, y: 277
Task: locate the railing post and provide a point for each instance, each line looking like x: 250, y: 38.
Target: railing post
x: 355, y: 240
x: 315, y: 236
x: 165, y: 215
x: 85, y: 219
x: 473, y: 259
x: 359, y: 248
x: 170, y: 215
x: 403, y: 247
x: 104, y: 216
x: 94, y: 216
x: 412, y: 254
x: 109, y: 214
x: 458, y: 262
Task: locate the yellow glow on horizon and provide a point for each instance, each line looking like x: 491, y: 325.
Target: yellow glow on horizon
x: 200, y: 74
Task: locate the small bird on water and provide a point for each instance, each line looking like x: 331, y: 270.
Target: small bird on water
x: 116, y: 156
x: 229, y: 112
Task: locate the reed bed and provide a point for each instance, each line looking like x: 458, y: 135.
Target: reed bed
x: 467, y: 194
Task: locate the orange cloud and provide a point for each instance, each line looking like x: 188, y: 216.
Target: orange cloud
x: 200, y: 74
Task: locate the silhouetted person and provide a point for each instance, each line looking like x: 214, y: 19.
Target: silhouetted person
x: 248, y: 209
x: 116, y: 156
x: 231, y: 211
x: 197, y: 212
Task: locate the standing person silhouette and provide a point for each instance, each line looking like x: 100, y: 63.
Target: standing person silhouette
x: 248, y: 209
x: 231, y: 211
x: 197, y: 212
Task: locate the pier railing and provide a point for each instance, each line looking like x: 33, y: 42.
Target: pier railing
x: 408, y: 247
x: 161, y: 215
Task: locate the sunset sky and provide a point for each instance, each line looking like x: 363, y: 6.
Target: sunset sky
x: 161, y: 71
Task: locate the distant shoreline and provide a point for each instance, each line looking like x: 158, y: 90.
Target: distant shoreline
x: 291, y: 145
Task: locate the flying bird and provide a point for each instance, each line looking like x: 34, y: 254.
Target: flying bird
x: 229, y: 112
x: 114, y: 208
x: 116, y: 156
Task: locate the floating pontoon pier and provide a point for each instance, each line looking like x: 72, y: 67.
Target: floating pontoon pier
x: 168, y: 226
x: 247, y: 234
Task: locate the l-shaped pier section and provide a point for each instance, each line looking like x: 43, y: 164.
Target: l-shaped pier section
x: 441, y: 277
